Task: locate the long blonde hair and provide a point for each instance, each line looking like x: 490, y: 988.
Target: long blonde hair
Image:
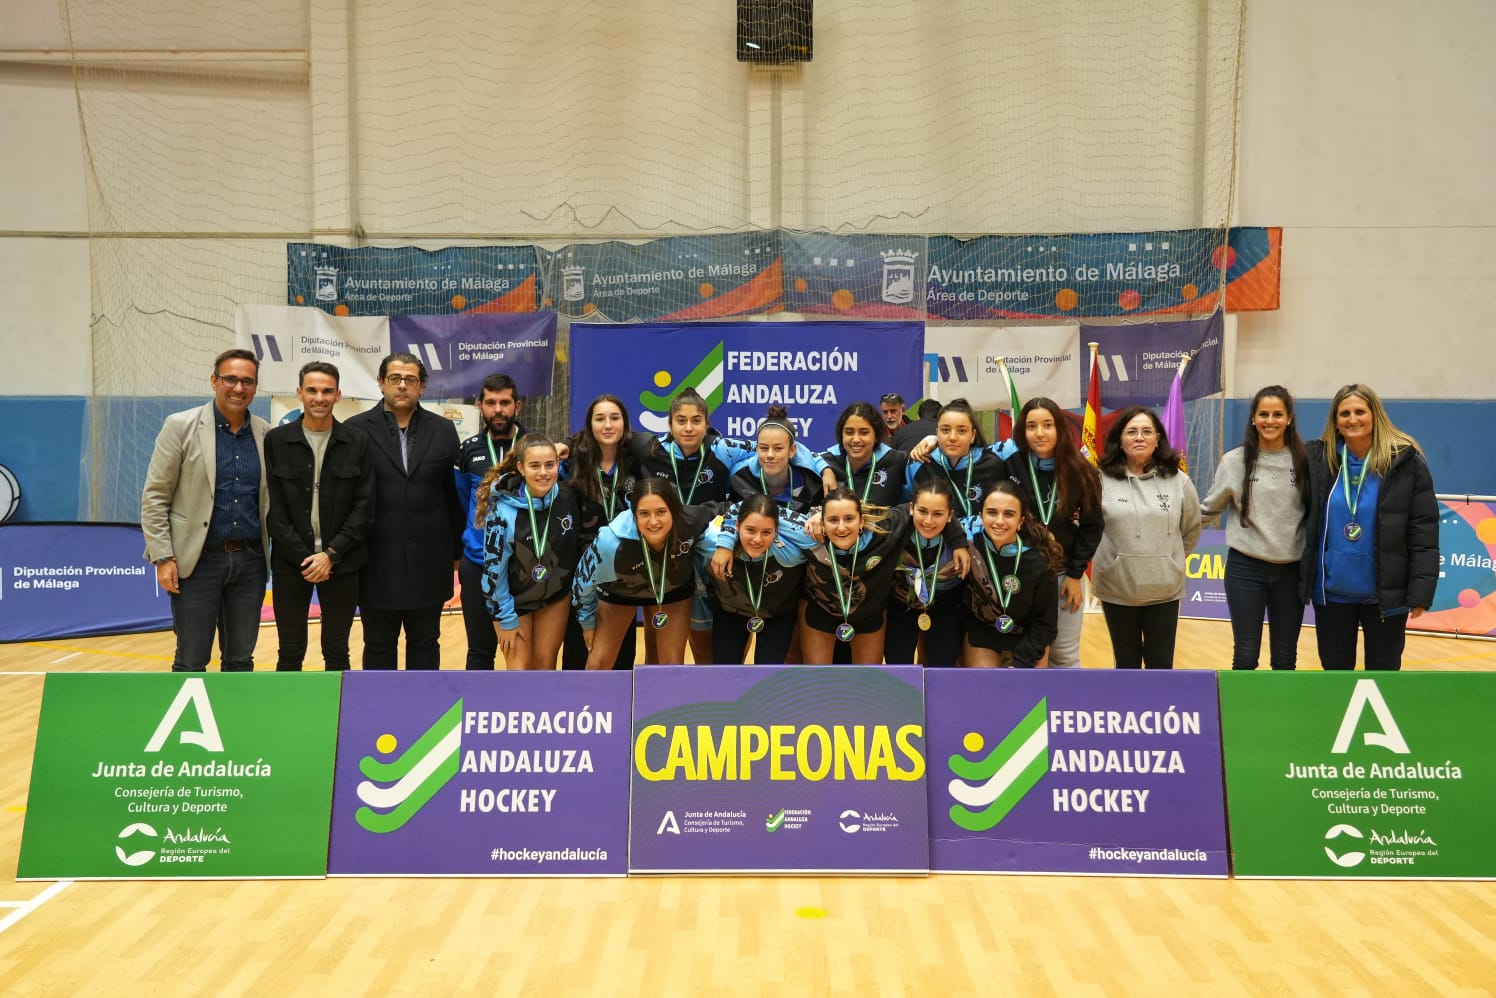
x: 1387, y: 441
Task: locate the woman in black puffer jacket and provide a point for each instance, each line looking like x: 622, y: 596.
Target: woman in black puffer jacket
x: 1371, y: 560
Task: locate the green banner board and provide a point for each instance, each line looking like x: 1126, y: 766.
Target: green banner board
x: 1385, y: 775
x: 177, y: 775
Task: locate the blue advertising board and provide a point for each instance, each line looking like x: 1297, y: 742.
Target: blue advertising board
x: 76, y: 579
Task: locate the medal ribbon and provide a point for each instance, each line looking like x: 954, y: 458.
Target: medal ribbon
x: 963, y: 494
x: 758, y: 598
x: 536, y: 534
x: 871, y: 467
x: 1351, y: 502
x: 695, y: 479
x: 927, y: 577
x: 844, y: 597
x: 1046, y: 512
x: 657, y: 590
x: 609, y: 489
x: 1003, y: 596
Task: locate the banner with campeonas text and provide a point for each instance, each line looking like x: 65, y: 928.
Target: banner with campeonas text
x: 767, y: 768
x: 1354, y: 774
x: 871, y: 276
x: 482, y: 774
x: 1138, y: 361
x: 175, y: 775
x: 679, y: 278
x: 814, y: 369
x: 406, y: 280
x: 1465, y: 601
x: 65, y: 580
x: 1102, y: 274
x: 961, y: 362
x: 458, y: 351
x: 1075, y: 771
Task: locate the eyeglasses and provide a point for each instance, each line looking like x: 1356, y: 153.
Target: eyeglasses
x: 233, y: 382
x: 396, y: 380
x: 893, y: 397
x: 1141, y: 434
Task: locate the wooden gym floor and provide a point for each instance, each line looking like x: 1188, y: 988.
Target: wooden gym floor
x: 942, y: 935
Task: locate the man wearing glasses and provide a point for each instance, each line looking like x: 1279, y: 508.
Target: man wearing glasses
x: 416, y: 538
x: 203, y: 515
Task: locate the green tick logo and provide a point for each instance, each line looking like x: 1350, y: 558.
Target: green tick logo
x: 986, y: 789
x: 705, y: 377
x: 395, y: 790
x: 774, y: 821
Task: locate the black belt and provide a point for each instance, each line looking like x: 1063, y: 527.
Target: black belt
x: 233, y: 546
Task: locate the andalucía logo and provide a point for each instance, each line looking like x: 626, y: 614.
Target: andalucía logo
x: 395, y: 790
x: 989, y: 787
x: 705, y: 377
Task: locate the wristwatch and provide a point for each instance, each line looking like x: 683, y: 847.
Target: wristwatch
x: 162, y: 561
x: 332, y: 555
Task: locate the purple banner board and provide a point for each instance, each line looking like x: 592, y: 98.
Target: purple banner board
x: 482, y: 774
x: 1083, y: 771
x: 758, y: 769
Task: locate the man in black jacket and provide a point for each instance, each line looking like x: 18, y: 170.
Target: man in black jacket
x: 321, y: 506
x: 417, y: 534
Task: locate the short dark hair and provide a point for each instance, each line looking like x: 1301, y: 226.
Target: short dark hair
x: 402, y: 357
x: 497, y: 383
x: 318, y: 367
x: 928, y: 409
x: 238, y: 353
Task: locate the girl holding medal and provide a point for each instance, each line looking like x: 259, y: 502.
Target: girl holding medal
x: 862, y: 461
x: 961, y: 457
x: 849, y: 578
x: 602, y: 471
x: 926, y: 594
x: 1152, y: 521
x: 1372, y: 559
x: 753, y: 576
x: 1012, y: 594
x: 641, y: 559
x: 779, y: 469
x: 1065, y: 491
x: 531, y: 545
x: 1265, y: 482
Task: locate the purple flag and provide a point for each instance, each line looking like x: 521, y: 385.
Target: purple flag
x: 1173, y: 418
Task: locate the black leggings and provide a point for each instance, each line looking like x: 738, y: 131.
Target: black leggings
x: 942, y: 640
x: 1142, y: 635
x: 730, y: 638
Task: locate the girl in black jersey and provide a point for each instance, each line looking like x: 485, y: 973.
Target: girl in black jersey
x: 1064, y: 492
x: 926, y: 599
x: 862, y: 461
x: 642, y: 559
x: 1011, y: 593
x: 754, y: 578
x: 778, y: 469
x: 961, y: 456
x: 532, y: 541
x: 849, y: 577
x: 602, y: 471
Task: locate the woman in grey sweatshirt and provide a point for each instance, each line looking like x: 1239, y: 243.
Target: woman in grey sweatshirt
x: 1152, y: 515
x: 1265, y: 482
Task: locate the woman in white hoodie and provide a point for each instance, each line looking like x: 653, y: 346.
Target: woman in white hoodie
x: 1152, y: 515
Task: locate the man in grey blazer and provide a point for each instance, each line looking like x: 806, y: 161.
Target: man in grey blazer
x: 203, y: 515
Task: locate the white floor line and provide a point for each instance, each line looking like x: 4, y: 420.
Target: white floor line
x: 65, y: 658
x: 27, y: 907
x: 11, y: 904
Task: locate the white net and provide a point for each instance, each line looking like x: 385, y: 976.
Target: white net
x: 217, y: 132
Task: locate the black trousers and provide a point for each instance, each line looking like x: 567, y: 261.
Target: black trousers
x: 1142, y: 635
x: 730, y: 636
x: 482, y: 639
x: 423, y: 631
x: 291, y: 596
x: 942, y: 640
x: 1335, y: 627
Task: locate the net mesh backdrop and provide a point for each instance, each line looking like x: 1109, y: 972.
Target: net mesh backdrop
x: 217, y: 132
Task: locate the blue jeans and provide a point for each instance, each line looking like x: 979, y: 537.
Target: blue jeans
x: 1254, y: 586
x: 222, y: 596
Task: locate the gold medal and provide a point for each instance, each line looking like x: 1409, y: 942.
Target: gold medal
x: 924, y: 621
